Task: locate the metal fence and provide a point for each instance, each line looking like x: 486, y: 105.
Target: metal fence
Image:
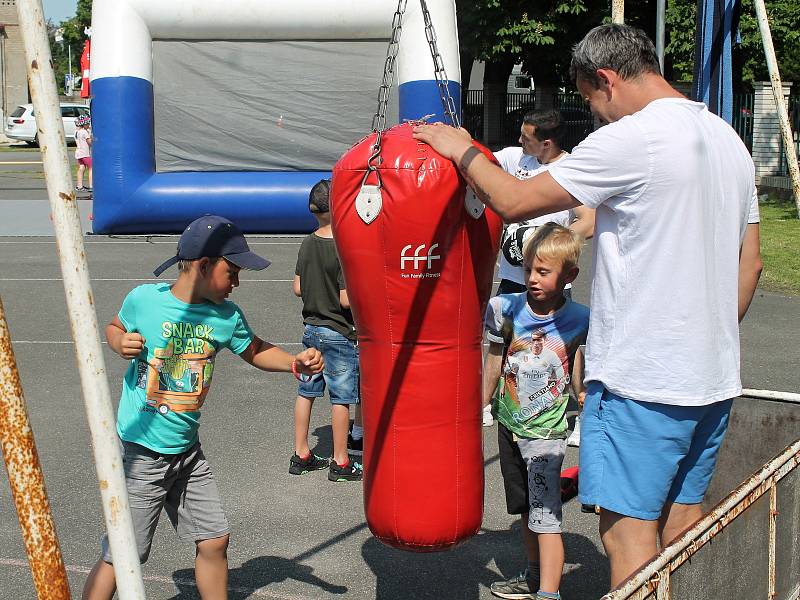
x: 743, y: 117
x: 794, y: 119
x: 505, y: 118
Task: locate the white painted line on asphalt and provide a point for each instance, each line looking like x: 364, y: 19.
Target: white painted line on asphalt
x: 176, y: 581
x: 136, y: 279
x: 71, y: 342
x: 145, y: 241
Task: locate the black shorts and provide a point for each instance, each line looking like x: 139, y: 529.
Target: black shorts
x: 510, y: 287
x: 515, y: 472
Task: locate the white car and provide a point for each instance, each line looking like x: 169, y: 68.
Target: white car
x: 21, y: 124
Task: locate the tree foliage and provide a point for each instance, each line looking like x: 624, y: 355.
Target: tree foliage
x: 72, y: 30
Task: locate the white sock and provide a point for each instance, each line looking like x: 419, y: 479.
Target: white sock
x: 358, y: 432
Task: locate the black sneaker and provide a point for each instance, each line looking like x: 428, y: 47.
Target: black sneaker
x: 355, y: 446
x: 352, y: 471
x: 301, y: 466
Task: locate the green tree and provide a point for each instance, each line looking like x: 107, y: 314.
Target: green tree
x: 72, y: 31
x: 748, y: 55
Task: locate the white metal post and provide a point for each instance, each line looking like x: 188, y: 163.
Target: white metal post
x: 618, y: 11
x: 777, y: 92
x: 80, y: 301
x: 661, y: 12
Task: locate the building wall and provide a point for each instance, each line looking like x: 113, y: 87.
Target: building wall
x: 13, y: 76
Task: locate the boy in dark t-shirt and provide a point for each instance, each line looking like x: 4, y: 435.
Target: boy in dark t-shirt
x: 329, y: 328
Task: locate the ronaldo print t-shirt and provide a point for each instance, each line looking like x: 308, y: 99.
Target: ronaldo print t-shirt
x: 166, y: 385
x: 539, y: 350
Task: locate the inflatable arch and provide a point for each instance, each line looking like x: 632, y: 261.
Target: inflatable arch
x: 131, y: 197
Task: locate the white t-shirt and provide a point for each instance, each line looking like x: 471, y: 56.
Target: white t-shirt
x: 674, y: 190
x: 523, y: 166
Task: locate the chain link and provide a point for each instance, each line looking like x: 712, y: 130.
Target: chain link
x: 448, y: 104
x: 379, y: 120
x: 442, y: 83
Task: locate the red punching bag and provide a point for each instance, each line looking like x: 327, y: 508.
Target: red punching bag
x: 85, y: 60
x: 418, y: 258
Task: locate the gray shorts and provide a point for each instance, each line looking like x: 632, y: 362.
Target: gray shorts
x: 544, y: 459
x: 182, y: 484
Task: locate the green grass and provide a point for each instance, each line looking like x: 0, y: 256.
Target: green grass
x: 780, y: 246
x: 24, y: 148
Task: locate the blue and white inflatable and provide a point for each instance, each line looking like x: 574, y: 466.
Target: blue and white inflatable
x: 131, y: 197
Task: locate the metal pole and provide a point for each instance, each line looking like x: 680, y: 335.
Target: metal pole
x: 69, y: 55
x: 777, y: 92
x: 27, y: 480
x: 80, y: 301
x: 618, y: 11
x: 661, y: 12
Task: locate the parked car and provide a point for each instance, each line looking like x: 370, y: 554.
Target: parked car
x: 21, y: 123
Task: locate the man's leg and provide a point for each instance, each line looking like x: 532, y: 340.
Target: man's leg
x: 101, y: 584
x: 211, y: 568
x: 676, y: 519
x: 629, y: 543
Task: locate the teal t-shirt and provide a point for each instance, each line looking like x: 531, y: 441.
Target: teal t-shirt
x: 166, y: 385
x: 539, y: 351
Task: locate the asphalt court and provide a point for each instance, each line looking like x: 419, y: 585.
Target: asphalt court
x: 292, y: 537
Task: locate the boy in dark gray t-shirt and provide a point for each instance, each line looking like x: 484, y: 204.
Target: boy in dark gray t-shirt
x: 329, y: 328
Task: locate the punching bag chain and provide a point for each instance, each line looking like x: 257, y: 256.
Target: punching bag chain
x: 442, y: 82
x: 379, y: 120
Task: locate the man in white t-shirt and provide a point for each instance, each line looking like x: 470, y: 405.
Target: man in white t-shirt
x: 676, y: 263
x: 541, y: 136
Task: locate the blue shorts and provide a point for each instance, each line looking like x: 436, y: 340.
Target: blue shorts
x: 340, y: 375
x: 637, y: 456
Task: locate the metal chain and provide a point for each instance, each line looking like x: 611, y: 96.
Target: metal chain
x: 379, y: 120
x: 442, y: 82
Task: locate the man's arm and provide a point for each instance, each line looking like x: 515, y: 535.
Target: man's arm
x: 578, y: 386
x: 749, y: 267
x: 584, y: 221
x: 267, y: 357
x: 491, y: 371
x: 513, y: 199
x: 120, y: 340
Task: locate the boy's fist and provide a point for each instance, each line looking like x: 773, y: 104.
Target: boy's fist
x: 309, y: 362
x: 131, y: 345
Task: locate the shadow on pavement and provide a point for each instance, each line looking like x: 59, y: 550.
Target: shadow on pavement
x: 255, y: 574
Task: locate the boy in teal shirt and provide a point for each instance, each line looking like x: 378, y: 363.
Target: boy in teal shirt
x: 172, y: 334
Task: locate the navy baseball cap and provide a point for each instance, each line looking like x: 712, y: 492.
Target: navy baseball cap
x: 214, y: 236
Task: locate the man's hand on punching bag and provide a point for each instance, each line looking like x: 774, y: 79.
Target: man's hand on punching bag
x: 446, y: 140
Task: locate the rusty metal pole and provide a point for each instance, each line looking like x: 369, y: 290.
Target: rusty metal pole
x: 80, y: 302
x: 27, y: 480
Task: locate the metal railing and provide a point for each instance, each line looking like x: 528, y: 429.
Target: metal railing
x: 656, y: 580
x: 743, y: 104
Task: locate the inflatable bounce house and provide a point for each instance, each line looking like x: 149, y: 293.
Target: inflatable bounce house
x: 237, y: 107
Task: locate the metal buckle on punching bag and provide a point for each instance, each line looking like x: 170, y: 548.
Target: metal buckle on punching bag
x: 473, y: 204
x: 369, y: 200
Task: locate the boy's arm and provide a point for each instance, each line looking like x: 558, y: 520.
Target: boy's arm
x: 492, y: 363
x: 296, y: 286
x: 268, y: 357
x: 126, y: 344
x: 344, y: 299
x: 584, y: 221
x: 578, y: 385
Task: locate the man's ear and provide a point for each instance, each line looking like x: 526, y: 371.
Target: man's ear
x: 203, y: 264
x: 606, y: 80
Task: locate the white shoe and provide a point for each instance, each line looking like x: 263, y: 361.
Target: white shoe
x: 575, y: 437
x: 488, y: 419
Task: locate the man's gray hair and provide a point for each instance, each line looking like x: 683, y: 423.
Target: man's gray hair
x: 623, y: 49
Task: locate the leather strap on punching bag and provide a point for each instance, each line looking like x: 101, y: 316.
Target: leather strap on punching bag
x: 418, y: 254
